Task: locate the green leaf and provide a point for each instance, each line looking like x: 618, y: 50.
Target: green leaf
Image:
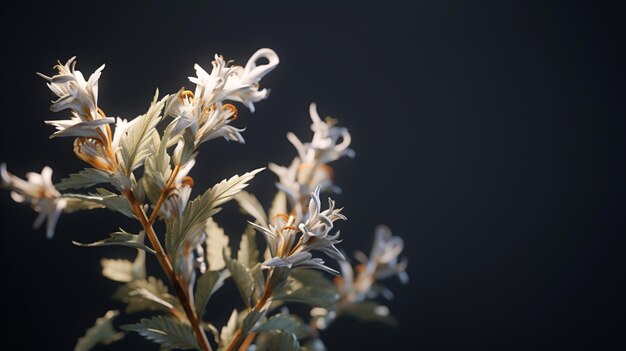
x: 157, y: 170
x: 369, y: 311
x: 73, y: 204
x: 122, y: 238
x: 249, y: 204
x: 216, y: 243
x: 117, y: 269
x: 112, y: 201
x: 199, y: 210
x: 206, y: 286
x: 250, y: 321
x: 83, y: 179
x: 311, y: 277
x: 186, y: 148
x: 284, y: 322
x: 165, y: 331
x: 242, y: 277
x: 285, y: 342
x: 310, y: 295
x: 135, y: 144
x: 248, y: 254
x: 146, y: 294
x: 101, y: 333
x: 279, y: 204
x: 124, y: 271
x: 228, y: 331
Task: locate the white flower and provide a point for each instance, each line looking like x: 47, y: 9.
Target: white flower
x: 178, y: 195
x: 281, y: 237
x: 234, y: 83
x: 81, y: 97
x: 204, y: 110
x: 326, y: 145
x: 383, y: 259
x: 39, y: 191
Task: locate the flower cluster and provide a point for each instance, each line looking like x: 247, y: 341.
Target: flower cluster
x: 143, y: 171
x: 281, y: 237
x: 310, y: 168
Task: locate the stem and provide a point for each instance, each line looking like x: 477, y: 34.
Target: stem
x: 179, y: 287
x: 237, y: 341
x: 163, y: 196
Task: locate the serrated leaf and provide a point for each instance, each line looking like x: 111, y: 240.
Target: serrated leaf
x: 216, y: 243
x: 242, y: 277
x: 122, y: 238
x: 157, y: 169
x: 165, y: 331
x: 311, y: 277
x: 101, y: 333
x: 146, y: 294
x: 310, y: 295
x: 83, y: 179
x: 249, y: 204
x: 369, y: 311
x: 117, y: 269
x: 199, y: 210
x: 135, y: 144
x: 206, y: 286
x: 124, y: 271
x: 228, y: 331
x: 259, y: 281
x: 285, y: 342
x: 284, y: 322
x: 112, y: 201
x: 73, y: 204
x: 248, y: 254
x: 279, y: 204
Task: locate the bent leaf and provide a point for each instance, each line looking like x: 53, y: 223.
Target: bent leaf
x: 122, y: 238
x: 165, y: 331
x: 84, y: 179
x: 199, y: 210
x: 101, y: 333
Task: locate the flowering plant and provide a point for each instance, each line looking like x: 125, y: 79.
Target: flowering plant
x: 140, y: 168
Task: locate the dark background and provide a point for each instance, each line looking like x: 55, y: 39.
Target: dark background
x: 488, y: 135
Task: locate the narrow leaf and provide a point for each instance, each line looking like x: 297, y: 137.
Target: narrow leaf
x: 216, y: 243
x: 165, y: 331
x: 249, y: 204
x: 197, y: 212
x: 83, y: 179
x: 369, y: 311
x: 135, y: 144
x: 284, y: 322
x: 122, y: 238
x: 242, y: 277
x: 146, y: 294
x: 279, y: 204
x: 112, y: 201
x: 206, y: 286
x: 101, y: 333
x: 310, y: 295
x: 248, y: 254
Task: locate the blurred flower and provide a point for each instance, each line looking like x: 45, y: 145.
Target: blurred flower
x: 39, y: 191
x: 382, y: 263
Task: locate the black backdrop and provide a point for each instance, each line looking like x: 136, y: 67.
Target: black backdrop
x: 488, y: 135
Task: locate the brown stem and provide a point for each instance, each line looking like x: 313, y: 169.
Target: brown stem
x: 179, y: 287
x: 163, y: 196
x: 237, y: 343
